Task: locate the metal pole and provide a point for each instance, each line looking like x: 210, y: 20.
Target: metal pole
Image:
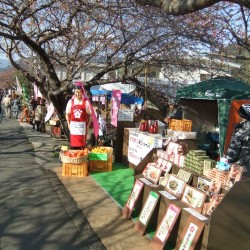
x: 145, y: 92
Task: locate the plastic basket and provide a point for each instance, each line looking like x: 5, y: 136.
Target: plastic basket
x: 101, y: 162
x: 73, y: 160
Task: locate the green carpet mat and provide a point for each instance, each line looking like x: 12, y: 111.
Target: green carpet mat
x: 118, y: 183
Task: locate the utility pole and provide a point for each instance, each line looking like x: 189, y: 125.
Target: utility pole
x: 145, y: 92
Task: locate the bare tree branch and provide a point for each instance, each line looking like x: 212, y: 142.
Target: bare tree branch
x: 181, y: 7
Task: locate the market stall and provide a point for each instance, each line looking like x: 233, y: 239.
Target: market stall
x: 196, y: 199
x: 209, y: 105
x: 101, y: 97
x: 191, y: 199
x: 137, y: 144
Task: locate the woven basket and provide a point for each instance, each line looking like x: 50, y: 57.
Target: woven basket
x: 76, y: 160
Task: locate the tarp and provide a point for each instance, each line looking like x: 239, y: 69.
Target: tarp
x: 223, y: 90
x: 126, y: 98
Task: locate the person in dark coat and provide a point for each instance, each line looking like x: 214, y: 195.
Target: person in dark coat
x: 239, y: 148
x: 174, y: 112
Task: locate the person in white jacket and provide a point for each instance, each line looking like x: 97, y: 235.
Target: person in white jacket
x: 7, y: 105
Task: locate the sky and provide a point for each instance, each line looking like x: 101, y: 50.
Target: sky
x: 4, y: 62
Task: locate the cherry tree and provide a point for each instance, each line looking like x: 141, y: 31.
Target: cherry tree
x: 181, y: 7
x: 40, y: 37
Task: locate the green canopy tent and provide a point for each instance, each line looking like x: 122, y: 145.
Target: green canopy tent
x: 207, y: 96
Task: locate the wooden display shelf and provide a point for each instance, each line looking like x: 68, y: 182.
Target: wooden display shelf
x: 226, y: 228
x: 191, y: 145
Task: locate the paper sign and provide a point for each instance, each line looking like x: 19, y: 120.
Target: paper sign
x: 145, y: 181
x: 148, y: 208
x: 140, y: 144
x: 195, y: 214
x: 125, y: 115
x: 190, y: 234
x: 164, y: 229
x: 153, y: 173
x: 167, y: 195
x: 98, y: 157
x: 115, y: 105
x: 127, y: 210
x: 204, y: 184
x: 146, y: 213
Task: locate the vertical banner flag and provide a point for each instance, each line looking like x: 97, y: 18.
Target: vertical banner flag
x: 115, y: 105
x: 18, y: 86
x: 37, y: 93
x: 50, y: 110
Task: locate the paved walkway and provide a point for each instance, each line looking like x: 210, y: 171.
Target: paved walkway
x: 32, y: 214
x: 80, y: 197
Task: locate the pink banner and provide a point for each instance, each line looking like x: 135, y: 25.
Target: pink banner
x: 115, y: 105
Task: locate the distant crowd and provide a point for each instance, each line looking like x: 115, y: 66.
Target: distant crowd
x: 33, y: 111
x: 11, y: 103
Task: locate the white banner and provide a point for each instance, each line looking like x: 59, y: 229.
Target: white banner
x: 50, y: 110
x: 140, y: 145
x: 37, y: 92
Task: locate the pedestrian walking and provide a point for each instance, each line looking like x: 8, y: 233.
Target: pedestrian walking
x: 7, y: 105
x: 40, y: 113
x: 15, y: 107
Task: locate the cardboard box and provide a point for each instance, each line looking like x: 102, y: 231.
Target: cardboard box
x: 181, y: 125
x: 101, y: 162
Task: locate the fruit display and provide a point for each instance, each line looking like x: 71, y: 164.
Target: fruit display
x: 100, y: 159
x: 75, y: 153
x: 100, y: 150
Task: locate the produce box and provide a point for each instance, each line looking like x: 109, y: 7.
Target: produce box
x: 75, y: 170
x: 74, y: 162
x: 181, y: 125
x: 101, y: 159
x: 74, y: 156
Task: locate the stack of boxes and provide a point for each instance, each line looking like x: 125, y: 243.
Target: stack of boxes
x: 208, y: 165
x: 218, y: 176
x: 195, y: 161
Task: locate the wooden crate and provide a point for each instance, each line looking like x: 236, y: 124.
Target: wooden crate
x: 182, y: 125
x: 102, y: 166
x: 75, y: 170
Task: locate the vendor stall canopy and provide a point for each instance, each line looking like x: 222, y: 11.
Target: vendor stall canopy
x: 216, y: 88
x: 106, y: 89
x: 221, y: 89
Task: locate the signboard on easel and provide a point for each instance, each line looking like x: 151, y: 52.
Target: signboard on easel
x: 146, y: 213
x: 190, y: 234
x: 140, y: 144
x: 165, y: 227
x: 136, y: 191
